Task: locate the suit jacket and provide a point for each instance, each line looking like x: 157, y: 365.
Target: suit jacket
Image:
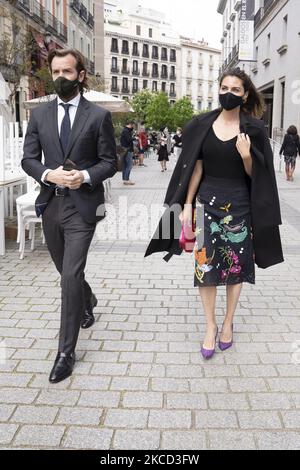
x: 265, y: 207
x: 91, y: 147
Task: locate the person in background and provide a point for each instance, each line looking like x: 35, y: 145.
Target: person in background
x: 290, y: 149
x: 142, y: 145
x: 177, y: 139
x: 127, y: 141
x: 163, y: 156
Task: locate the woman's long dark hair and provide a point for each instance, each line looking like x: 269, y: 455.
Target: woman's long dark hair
x: 255, y: 104
x: 292, y: 130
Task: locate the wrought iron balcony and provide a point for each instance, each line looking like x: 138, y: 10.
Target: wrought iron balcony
x: 135, y: 72
x: 90, y: 21
x: 75, y: 5
x: 115, y: 89
x: 83, y: 12
x: 126, y: 90
x: 115, y: 69
x: 146, y: 73
x: 23, y: 5
x: 125, y: 71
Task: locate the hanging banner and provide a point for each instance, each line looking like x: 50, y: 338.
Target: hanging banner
x: 246, y: 46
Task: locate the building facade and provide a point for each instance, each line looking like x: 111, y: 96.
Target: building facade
x: 141, y: 51
x: 81, y: 30
x: 99, y: 38
x: 42, y: 26
x: 275, y: 68
x: 199, y: 73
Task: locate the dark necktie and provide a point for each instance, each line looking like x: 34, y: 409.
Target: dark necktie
x: 65, y: 129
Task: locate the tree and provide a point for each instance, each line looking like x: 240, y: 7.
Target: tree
x: 181, y: 112
x: 158, y: 112
x: 17, y: 50
x: 140, y: 103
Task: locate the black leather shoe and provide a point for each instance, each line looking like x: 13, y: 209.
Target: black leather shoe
x: 63, y: 367
x: 88, y: 318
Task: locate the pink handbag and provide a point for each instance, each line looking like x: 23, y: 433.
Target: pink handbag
x: 187, y: 236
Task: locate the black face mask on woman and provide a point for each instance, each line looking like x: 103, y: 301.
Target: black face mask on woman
x: 64, y: 87
x: 230, y: 101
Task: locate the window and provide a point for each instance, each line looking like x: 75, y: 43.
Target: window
x: 145, y: 50
x: 210, y: 105
x: 154, y: 52
x: 164, y: 53
x: 114, y: 84
x: 145, y: 69
x: 135, y: 85
x: 164, y: 71
x: 135, y: 49
x: 150, y: 32
x: 164, y: 86
x: 135, y: 67
x: 172, y: 89
x: 199, y: 105
x: 145, y: 84
x: 125, y: 88
x: 73, y: 39
x: 154, y: 86
x: 114, y: 65
x: 89, y: 51
x: 138, y: 30
x: 125, y: 66
x: 114, y: 45
x: 125, y: 48
x: 155, y: 70
x: 173, y: 55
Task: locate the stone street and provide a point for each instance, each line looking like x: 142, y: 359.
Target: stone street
x: 140, y: 381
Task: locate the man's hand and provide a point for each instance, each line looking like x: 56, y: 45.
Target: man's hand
x: 70, y: 179
x: 75, y: 179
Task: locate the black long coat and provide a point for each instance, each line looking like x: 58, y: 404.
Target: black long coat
x: 265, y: 207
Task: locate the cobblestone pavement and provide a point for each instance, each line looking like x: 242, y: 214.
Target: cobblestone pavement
x: 140, y: 382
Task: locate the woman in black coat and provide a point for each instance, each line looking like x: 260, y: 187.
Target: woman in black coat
x: 226, y: 174
x: 290, y: 149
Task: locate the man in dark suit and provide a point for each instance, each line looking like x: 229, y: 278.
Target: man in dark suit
x: 77, y: 139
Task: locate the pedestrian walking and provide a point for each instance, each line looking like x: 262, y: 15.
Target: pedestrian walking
x: 127, y: 142
x: 77, y: 139
x: 142, y: 145
x: 163, y: 156
x: 226, y: 177
x: 177, y: 139
x: 290, y: 149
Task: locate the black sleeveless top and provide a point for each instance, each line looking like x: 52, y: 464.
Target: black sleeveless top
x: 221, y: 159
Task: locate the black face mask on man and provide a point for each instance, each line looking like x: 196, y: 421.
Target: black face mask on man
x: 64, y: 87
x: 230, y: 101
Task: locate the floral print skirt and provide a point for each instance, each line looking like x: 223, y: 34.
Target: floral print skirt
x: 224, y: 247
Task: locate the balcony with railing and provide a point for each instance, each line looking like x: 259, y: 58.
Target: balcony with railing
x: 38, y: 12
x: 173, y: 76
x: 43, y: 17
x: 115, y: 69
x: 136, y: 72
x: 173, y: 93
x: 83, y: 12
x: 90, y: 21
x: 23, y: 5
x: 146, y: 73
x: 115, y: 89
x: 125, y: 89
x: 263, y: 11
x: 125, y: 71
x: 75, y: 5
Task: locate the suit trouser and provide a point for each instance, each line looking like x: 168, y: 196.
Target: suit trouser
x: 68, y: 239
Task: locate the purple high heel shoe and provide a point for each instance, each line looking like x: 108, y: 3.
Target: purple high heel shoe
x: 224, y: 346
x: 208, y: 353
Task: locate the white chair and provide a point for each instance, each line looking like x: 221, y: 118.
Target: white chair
x: 27, y: 217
